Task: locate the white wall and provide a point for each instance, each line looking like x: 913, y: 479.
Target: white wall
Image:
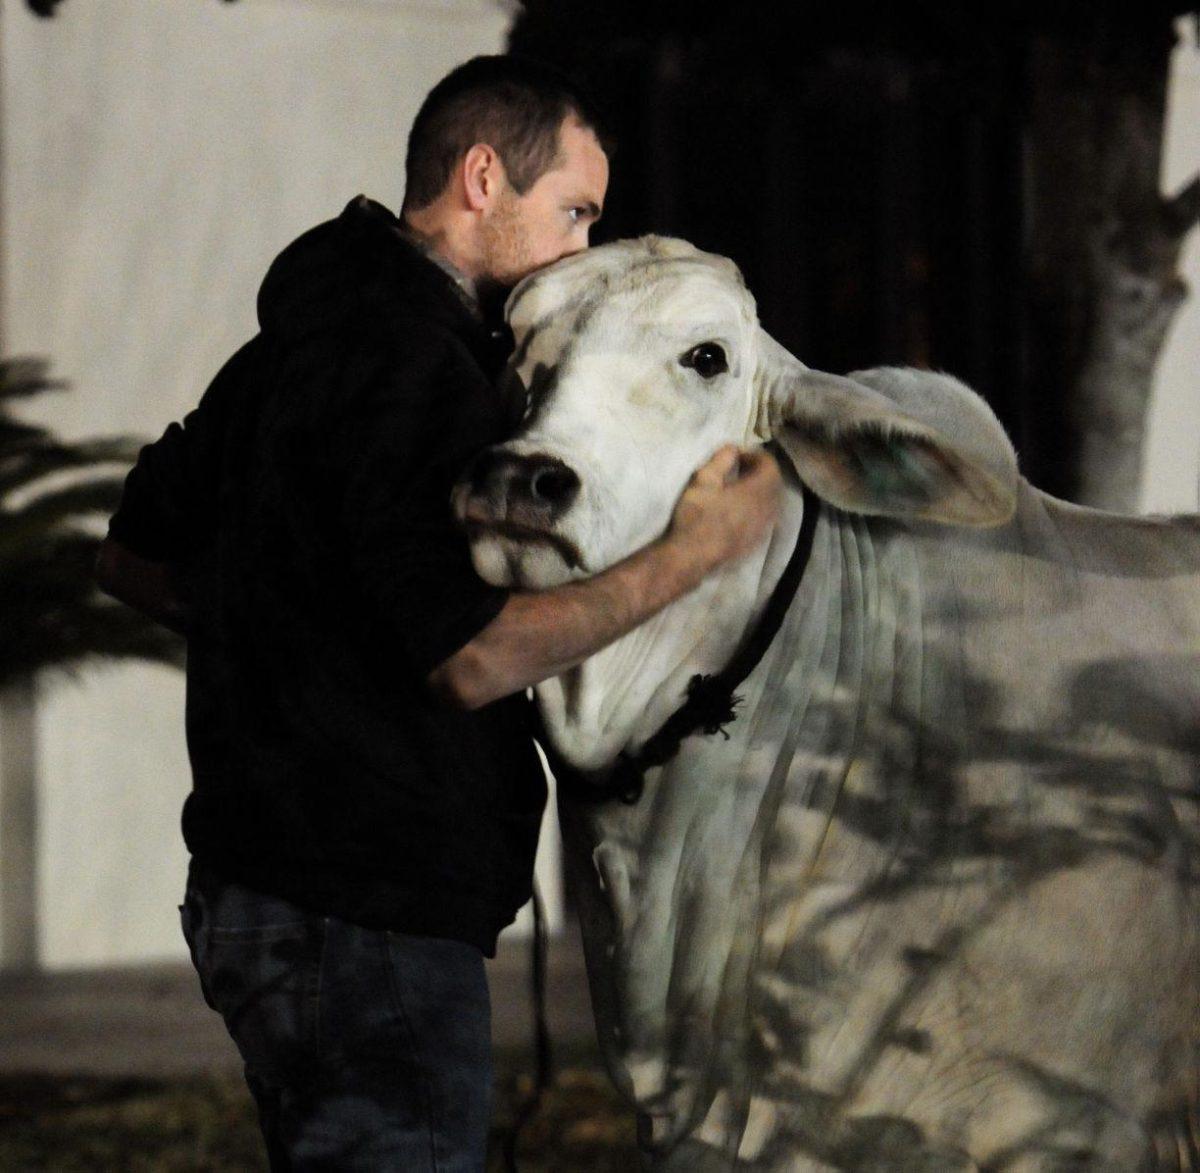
x: 156, y: 156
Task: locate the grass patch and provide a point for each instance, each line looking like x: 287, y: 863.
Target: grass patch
x: 82, y: 1125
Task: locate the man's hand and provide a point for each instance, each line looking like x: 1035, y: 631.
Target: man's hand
x: 146, y: 586
x: 730, y: 503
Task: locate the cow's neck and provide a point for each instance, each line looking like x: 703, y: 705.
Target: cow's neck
x: 621, y: 696
x: 738, y: 849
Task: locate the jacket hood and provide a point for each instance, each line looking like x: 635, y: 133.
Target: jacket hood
x: 355, y: 268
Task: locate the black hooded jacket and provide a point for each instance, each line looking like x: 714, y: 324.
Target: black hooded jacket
x: 305, y: 503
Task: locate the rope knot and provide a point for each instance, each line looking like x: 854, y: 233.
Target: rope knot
x: 712, y: 704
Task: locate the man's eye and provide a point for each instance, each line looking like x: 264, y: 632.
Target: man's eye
x: 707, y: 360
x: 576, y: 214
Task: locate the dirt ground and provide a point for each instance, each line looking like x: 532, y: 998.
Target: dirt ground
x: 127, y: 1071
x: 63, y: 1124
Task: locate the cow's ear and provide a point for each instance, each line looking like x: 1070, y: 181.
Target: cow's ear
x: 892, y: 441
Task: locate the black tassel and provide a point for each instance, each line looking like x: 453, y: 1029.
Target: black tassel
x: 713, y: 706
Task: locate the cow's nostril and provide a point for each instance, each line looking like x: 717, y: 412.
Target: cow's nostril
x: 553, y: 483
x: 510, y: 480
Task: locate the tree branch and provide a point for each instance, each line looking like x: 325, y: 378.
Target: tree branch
x: 1182, y: 211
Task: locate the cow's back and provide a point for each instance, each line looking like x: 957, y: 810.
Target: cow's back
x: 1024, y: 951
x: 982, y: 920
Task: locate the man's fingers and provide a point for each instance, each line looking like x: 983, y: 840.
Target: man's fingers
x: 756, y: 462
x: 733, y: 499
x: 757, y: 469
x: 720, y: 468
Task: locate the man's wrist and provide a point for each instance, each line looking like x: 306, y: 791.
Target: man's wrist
x: 669, y: 568
x: 697, y: 552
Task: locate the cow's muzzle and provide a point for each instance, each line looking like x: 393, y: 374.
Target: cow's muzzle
x: 526, y: 490
x: 515, y: 498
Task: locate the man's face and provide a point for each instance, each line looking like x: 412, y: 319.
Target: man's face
x: 551, y: 220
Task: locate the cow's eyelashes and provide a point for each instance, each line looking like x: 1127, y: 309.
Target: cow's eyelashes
x: 707, y: 360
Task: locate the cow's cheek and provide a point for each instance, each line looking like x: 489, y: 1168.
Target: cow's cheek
x: 624, y: 511
x: 674, y: 466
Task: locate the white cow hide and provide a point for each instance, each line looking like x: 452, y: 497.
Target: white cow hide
x: 932, y: 905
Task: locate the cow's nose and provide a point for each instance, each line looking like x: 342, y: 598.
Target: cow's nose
x: 553, y: 482
x: 524, y: 480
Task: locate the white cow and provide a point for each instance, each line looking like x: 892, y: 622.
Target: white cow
x: 933, y: 903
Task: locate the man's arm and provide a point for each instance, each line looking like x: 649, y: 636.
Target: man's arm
x: 169, y: 501
x: 539, y: 634
x: 147, y: 586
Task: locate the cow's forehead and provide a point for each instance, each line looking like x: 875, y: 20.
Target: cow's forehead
x: 650, y: 282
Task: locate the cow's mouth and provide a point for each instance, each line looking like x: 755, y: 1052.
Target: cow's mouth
x: 526, y: 535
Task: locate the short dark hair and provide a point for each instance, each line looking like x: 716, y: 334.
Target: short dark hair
x: 514, y: 104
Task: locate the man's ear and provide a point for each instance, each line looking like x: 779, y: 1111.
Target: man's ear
x: 482, y: 174
x: 894, y: 442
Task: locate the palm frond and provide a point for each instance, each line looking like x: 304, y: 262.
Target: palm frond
x: 38, y: 586
x: 14, y: 432
x: 99, y: 631
x: 54, y: 616
x: 49, y: 512
x: 43, y: 8
x: 26, y: 376
x: 24, y: 462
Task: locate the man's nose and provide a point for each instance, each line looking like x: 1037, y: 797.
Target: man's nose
x: 538, y: 480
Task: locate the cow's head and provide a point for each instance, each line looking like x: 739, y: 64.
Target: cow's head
x: 639, y: 359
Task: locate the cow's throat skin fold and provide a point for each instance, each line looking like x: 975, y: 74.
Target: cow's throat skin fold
x: 620, y: 697
x: 915, y: 1000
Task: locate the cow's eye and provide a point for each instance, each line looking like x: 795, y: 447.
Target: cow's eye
x: 707, y: 360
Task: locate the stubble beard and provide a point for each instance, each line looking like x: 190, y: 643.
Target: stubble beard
x: 507, y: 255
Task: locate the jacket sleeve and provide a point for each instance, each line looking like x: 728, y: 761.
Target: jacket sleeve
x: 169, y: 503
x: 409, y: 433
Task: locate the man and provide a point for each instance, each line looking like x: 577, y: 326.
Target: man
x: 357, y: 841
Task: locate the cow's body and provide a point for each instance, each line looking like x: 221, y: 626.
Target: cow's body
x: 933, y: 904
x: 935, y: 899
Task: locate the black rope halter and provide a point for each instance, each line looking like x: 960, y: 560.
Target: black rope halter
x: 711, y: 702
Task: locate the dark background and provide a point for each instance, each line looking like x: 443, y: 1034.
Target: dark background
x: 899, y: 185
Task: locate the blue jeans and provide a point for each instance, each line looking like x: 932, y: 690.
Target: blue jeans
x: 364, y: 1049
